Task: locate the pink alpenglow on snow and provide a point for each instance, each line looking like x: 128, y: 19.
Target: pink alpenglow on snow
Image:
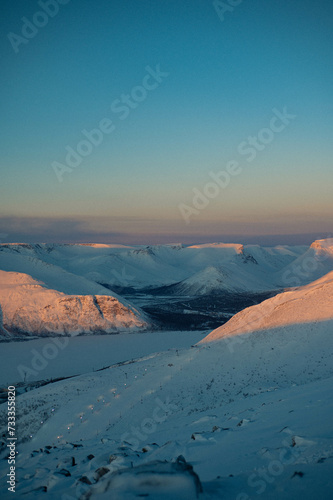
x: 30, y: 307
x: 310, y: 304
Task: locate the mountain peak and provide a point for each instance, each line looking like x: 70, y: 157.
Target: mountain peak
x: 323, y: 245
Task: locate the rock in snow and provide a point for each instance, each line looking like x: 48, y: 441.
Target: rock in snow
x: 160, y: 480
x: 259, y: 413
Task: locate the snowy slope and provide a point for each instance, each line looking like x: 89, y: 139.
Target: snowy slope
x: 34, y: 261
x: 216, y: 280
x: 252, y: 417
x: 310, y: 304
x: 29, y: 307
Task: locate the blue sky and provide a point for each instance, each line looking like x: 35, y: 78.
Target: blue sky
x: 222, y: 79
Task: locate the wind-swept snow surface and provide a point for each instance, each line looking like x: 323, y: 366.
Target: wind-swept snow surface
x: 252, y: 417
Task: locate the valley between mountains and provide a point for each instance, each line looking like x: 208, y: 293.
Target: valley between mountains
x: 177, y: 371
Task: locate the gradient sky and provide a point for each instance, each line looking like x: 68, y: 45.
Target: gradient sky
x: 225, y: 77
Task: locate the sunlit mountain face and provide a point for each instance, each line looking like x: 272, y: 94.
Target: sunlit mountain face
x: 166, y: 250
x: 137, y: 393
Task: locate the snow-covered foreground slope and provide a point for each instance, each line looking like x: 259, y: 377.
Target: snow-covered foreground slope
x: 29, y: 307
x: 252, y: 417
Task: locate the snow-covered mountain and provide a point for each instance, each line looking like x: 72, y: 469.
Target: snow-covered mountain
x: 87, y: 279
x: 153, y: 266
x: 29, y: 307
x: 212, y: 280
x: 252, y: 416
x: 310, y: 265
x: 308, y: 306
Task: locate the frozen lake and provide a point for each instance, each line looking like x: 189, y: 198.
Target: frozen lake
x: 48, y: 358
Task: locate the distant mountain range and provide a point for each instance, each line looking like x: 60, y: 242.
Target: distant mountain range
x: 72, y: 289
x: 247, y: 410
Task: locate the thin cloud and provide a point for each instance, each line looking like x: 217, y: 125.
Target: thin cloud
x: 134, y: 230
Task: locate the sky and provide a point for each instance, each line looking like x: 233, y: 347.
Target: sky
x: 166, y: 121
